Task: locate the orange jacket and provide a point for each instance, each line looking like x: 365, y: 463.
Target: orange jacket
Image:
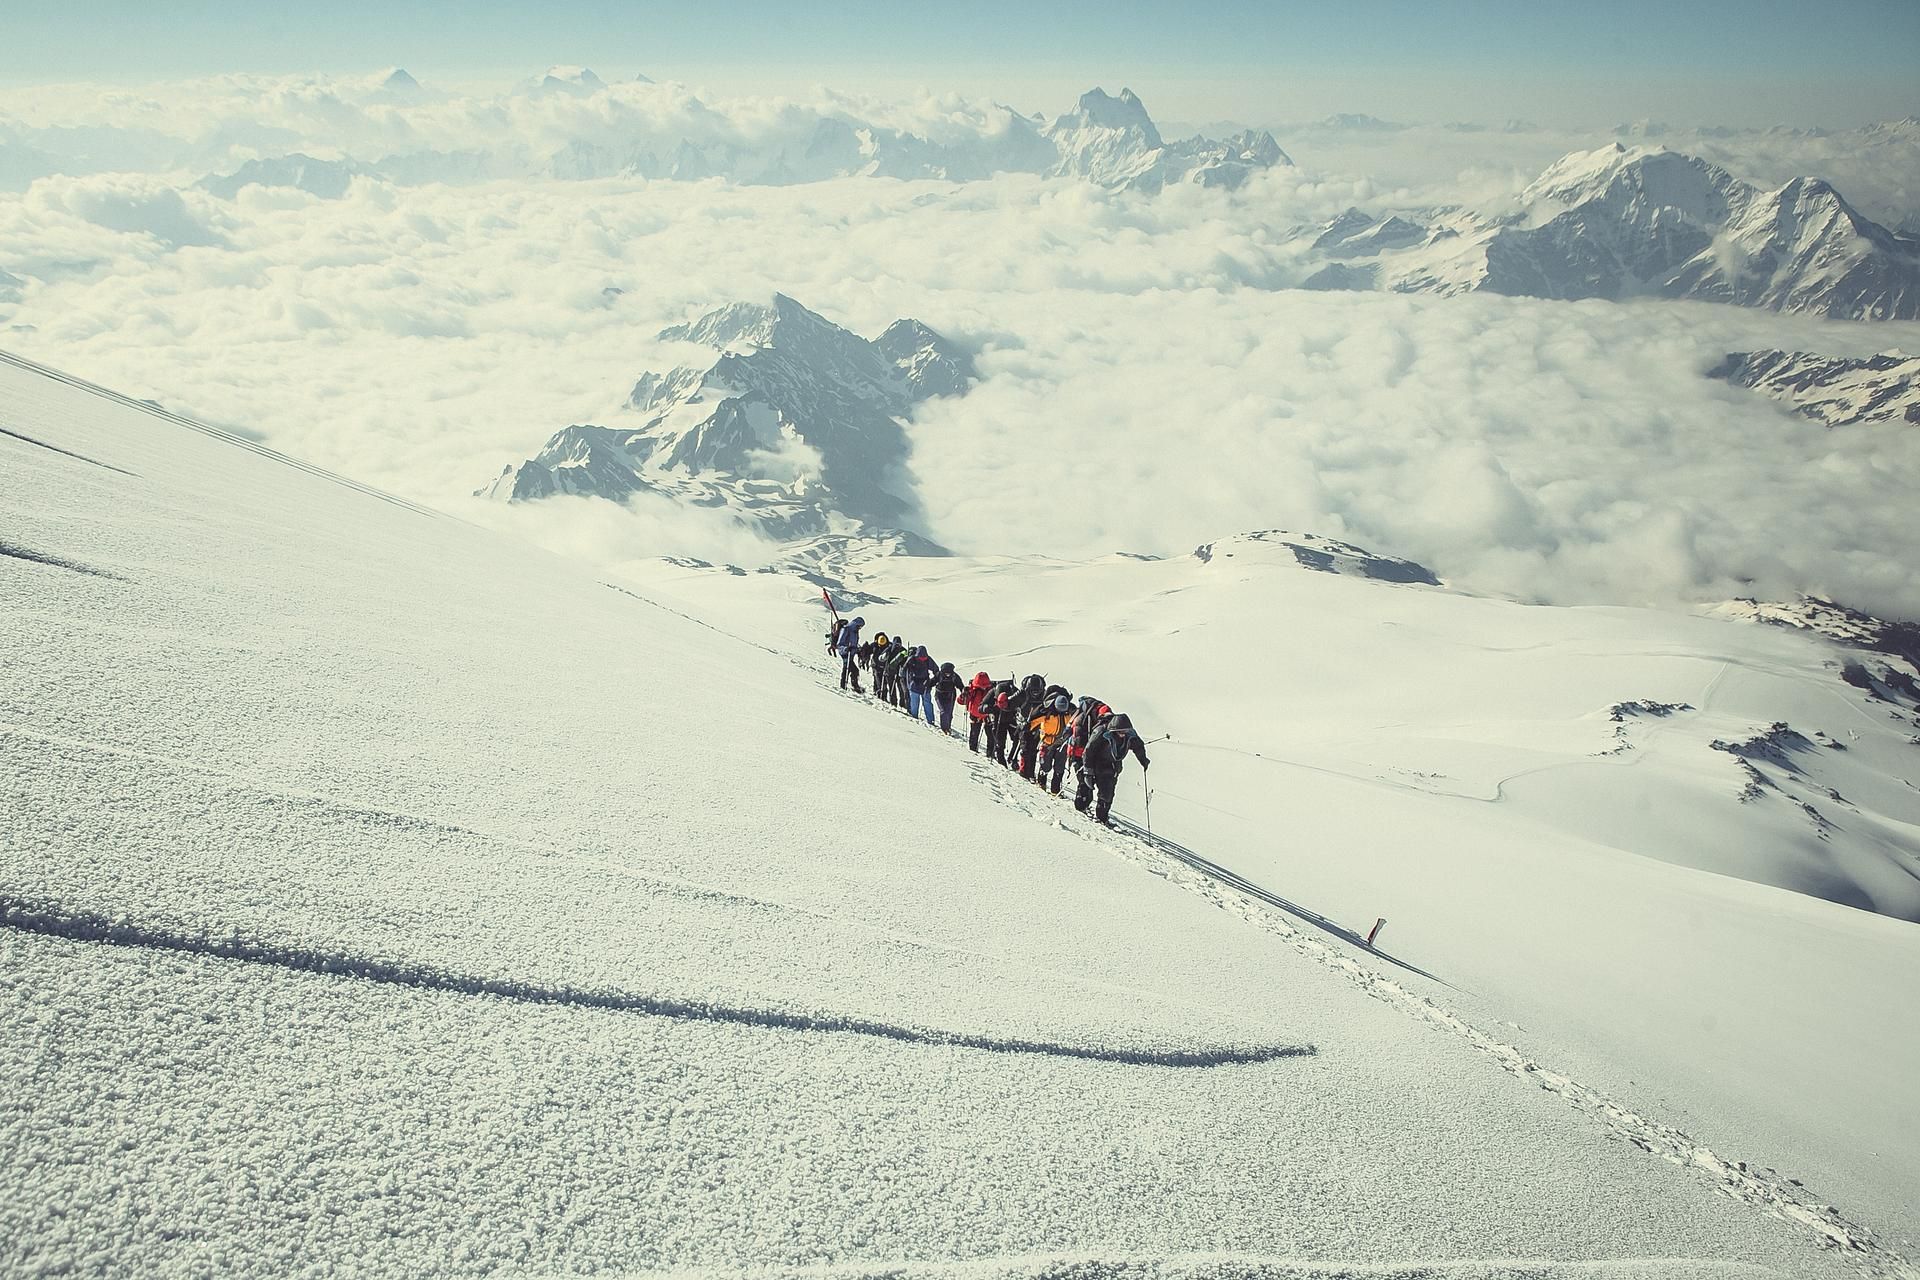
x: 1050, y: 724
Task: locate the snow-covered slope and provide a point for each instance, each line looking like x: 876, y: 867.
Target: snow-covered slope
x: 379, y: 895
x: 1673, y: 855
x: 1836, y: 391
x: 796, y: 428
x: 1625, y: 222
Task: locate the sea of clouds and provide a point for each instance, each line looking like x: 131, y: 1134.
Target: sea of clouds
x: 1151, y: 381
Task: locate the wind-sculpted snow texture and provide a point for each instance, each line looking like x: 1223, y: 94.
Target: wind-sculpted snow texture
x: 307, y: 725
x: 1832, y: 390
x: 797, y: 427
x: 1623, y: 222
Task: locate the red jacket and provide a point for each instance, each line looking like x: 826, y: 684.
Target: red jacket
x: 974, y: 698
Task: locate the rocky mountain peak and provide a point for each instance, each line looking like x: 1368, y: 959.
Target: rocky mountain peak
x: 798, y: 427
x: 1100, y: 110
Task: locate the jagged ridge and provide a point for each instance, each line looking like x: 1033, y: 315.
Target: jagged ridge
x: 796, y: 427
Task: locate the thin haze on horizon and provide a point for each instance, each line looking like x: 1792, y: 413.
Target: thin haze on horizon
x: 1736, y: 62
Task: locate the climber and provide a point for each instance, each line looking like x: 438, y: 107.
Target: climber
x: 1031, y: 700
x: 1050, y: 728
x: 975, y: 701
x: 946, y: 688
x: 847, y: 644
x: 1086, y: 719
x: 919, y: 672
x: 897, y: 658
x: 1107, y: 749
x: 999, y: 703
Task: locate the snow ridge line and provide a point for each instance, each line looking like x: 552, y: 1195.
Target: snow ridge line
x: 47, y: 920
x: 228, y: 437
x: 1765, y: 1189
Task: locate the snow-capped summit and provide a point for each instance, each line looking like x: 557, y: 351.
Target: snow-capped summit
x: 579, y: 82
x: 1622, y: 222
x: 796, y: 428
x: 738, y: 324
x: 1113, y: 142
x: 1634, y: 181
x: 1100, y: 110
x: 398, y: 88
x: 400, y: 84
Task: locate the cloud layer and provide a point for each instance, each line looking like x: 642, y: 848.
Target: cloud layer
x: 1150, y: 383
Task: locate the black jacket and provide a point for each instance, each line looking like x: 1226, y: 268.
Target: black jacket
x: 1106, y: 752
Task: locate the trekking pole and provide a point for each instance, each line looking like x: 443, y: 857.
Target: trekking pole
x: 1165, y: 737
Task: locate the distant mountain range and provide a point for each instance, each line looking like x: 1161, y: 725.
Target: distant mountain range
x: 1107, y: 140
x: 795, y: 428
x: 1620, y: 223
x: 1837, y: 391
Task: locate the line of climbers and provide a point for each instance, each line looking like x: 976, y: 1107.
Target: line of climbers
x: 1033, y: 728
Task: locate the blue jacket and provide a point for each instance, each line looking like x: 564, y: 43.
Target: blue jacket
x: 849, y: 639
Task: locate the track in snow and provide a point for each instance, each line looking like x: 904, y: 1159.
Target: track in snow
x: 1765, y: 1189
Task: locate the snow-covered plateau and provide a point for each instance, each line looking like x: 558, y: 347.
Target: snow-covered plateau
x: 382, y: 896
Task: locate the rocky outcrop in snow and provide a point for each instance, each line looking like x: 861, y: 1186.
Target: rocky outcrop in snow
x: 1836, y: 391
x: 796, y: 427
x: 1894, y: 672
x: 1626, y: 222
x: 1323, y: 555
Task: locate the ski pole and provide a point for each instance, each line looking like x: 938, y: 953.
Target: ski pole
x: 1148, y: 791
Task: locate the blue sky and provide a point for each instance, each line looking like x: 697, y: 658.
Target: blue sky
x: 1738, y: 61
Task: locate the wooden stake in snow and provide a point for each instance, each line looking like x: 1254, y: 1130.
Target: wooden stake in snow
x: 1375, y: 931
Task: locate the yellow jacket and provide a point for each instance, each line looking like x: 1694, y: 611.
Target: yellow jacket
x: 1051, y: 724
